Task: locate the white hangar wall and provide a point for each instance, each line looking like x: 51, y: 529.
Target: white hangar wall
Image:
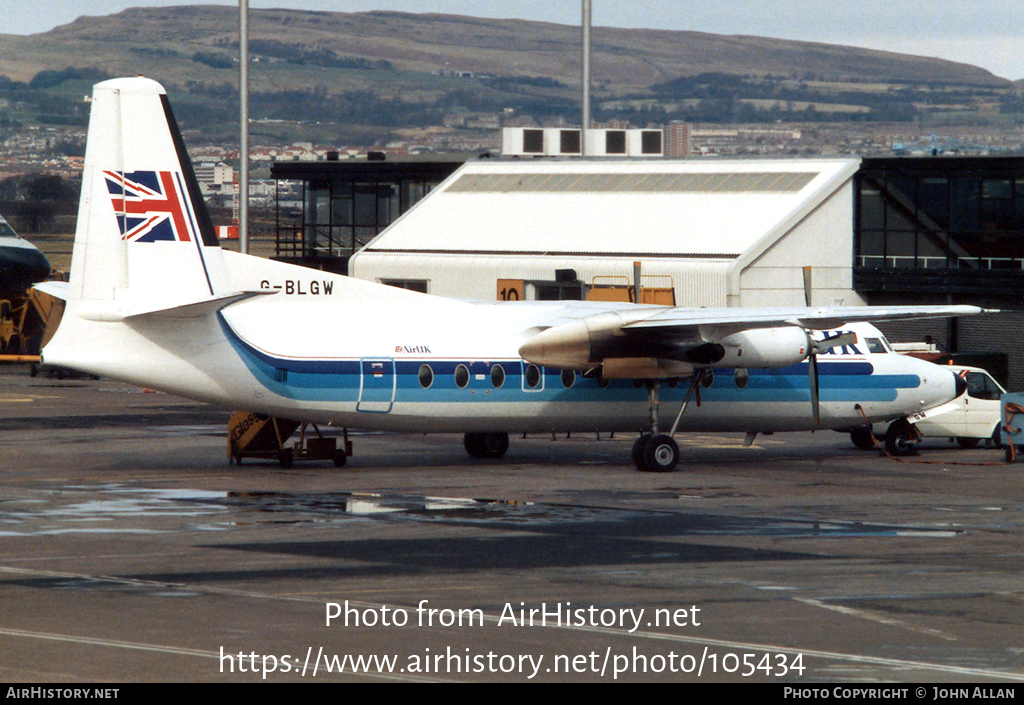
x: 727, y: 232
x: 701, y: 283
x: 822, y: 238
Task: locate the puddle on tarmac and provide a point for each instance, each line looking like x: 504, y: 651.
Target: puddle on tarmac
x: 108, y: 509
x: 122, y: 509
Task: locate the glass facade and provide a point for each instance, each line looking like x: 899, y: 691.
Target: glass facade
x: 341, y: 216
x: 345, y: 204
x: 940, y: 213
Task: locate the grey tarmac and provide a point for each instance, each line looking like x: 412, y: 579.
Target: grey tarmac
x: 131, y: 551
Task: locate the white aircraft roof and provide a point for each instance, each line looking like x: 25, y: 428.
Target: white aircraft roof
x: 703, y: 208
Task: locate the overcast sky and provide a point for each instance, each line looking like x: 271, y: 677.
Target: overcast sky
x: 987, y: 34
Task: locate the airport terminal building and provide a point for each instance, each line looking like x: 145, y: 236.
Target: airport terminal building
x: 724, y: 232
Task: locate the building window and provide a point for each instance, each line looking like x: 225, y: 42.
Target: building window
x: 615, y: 142
x: 410, y: 284
x: 569, y: 142
x: 533, y: 141
x: 650, y: 142
x: 937, y: 213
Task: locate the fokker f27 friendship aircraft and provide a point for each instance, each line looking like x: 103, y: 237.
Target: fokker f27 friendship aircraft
x: 153, y: 300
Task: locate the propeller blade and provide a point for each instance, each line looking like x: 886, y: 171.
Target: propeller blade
x: 812, y: 373
x: 835, y: 341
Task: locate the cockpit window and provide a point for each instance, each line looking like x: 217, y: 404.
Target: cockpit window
x: 875, y: 345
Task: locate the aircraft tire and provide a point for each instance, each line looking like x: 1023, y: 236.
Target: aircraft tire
x: 495, y: 444
x: 638, y: 451
x: 340, y: 458
x: 900, y: 438
x: 474, y: 444
x: 489, y: 445
x: 862, y: 438
x: 661, y: 453
x: 285, y: 458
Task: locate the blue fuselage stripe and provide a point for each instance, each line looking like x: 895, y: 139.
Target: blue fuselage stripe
x: 341, y: 381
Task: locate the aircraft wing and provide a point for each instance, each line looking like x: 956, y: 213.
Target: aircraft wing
x: 670, y: 339
x: 815, y: 318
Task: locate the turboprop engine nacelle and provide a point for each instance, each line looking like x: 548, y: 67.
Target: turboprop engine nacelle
x: 765, y: 348
x: 606, y: 337
x: 581, y: 344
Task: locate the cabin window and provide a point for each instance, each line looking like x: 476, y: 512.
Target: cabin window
x: 462, y: 376
x: 532, y: 376
x: 426, y: 376
x: 497, y: 376
x: 568, y: 378
x: 742, y: 377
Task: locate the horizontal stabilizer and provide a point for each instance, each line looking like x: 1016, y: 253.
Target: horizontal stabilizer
x: 53, y: 288
x: 111, y: 312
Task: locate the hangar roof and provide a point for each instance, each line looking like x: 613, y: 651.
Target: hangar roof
x: 689, y: 208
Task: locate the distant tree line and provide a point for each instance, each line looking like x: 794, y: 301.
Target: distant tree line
x: 50, y: 108
x: 724, y: 98
x: 361, y: 107
x: 213, y: 60
x: 516, y: 84
x: 302, y: 55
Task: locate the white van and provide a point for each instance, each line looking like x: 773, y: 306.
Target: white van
x: 975, y: 417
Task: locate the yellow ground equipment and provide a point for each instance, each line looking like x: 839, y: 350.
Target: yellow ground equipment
x: 252, y: 435
x: 27, y: 323
x: 619, y: 288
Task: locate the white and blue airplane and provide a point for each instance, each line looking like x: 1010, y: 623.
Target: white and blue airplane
x: 153, y: 300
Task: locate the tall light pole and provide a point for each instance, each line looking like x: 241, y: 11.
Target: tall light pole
x: 585, y: 122
x: 243, y: 132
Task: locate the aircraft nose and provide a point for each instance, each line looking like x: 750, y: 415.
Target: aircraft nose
x: 938, y: 385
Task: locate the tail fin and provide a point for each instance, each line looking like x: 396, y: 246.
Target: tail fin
x: 144, y: 238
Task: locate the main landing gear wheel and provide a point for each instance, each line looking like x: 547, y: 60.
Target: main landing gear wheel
x: 655, y: 452
x: 900, y: 438
x: 862, y: 438
x: 285, y: 458
x: 489, y: 445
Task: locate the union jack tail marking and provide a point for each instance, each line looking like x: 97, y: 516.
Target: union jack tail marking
x: 150, y: 206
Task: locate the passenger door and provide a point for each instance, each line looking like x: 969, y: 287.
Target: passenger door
x: 376, y: 385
